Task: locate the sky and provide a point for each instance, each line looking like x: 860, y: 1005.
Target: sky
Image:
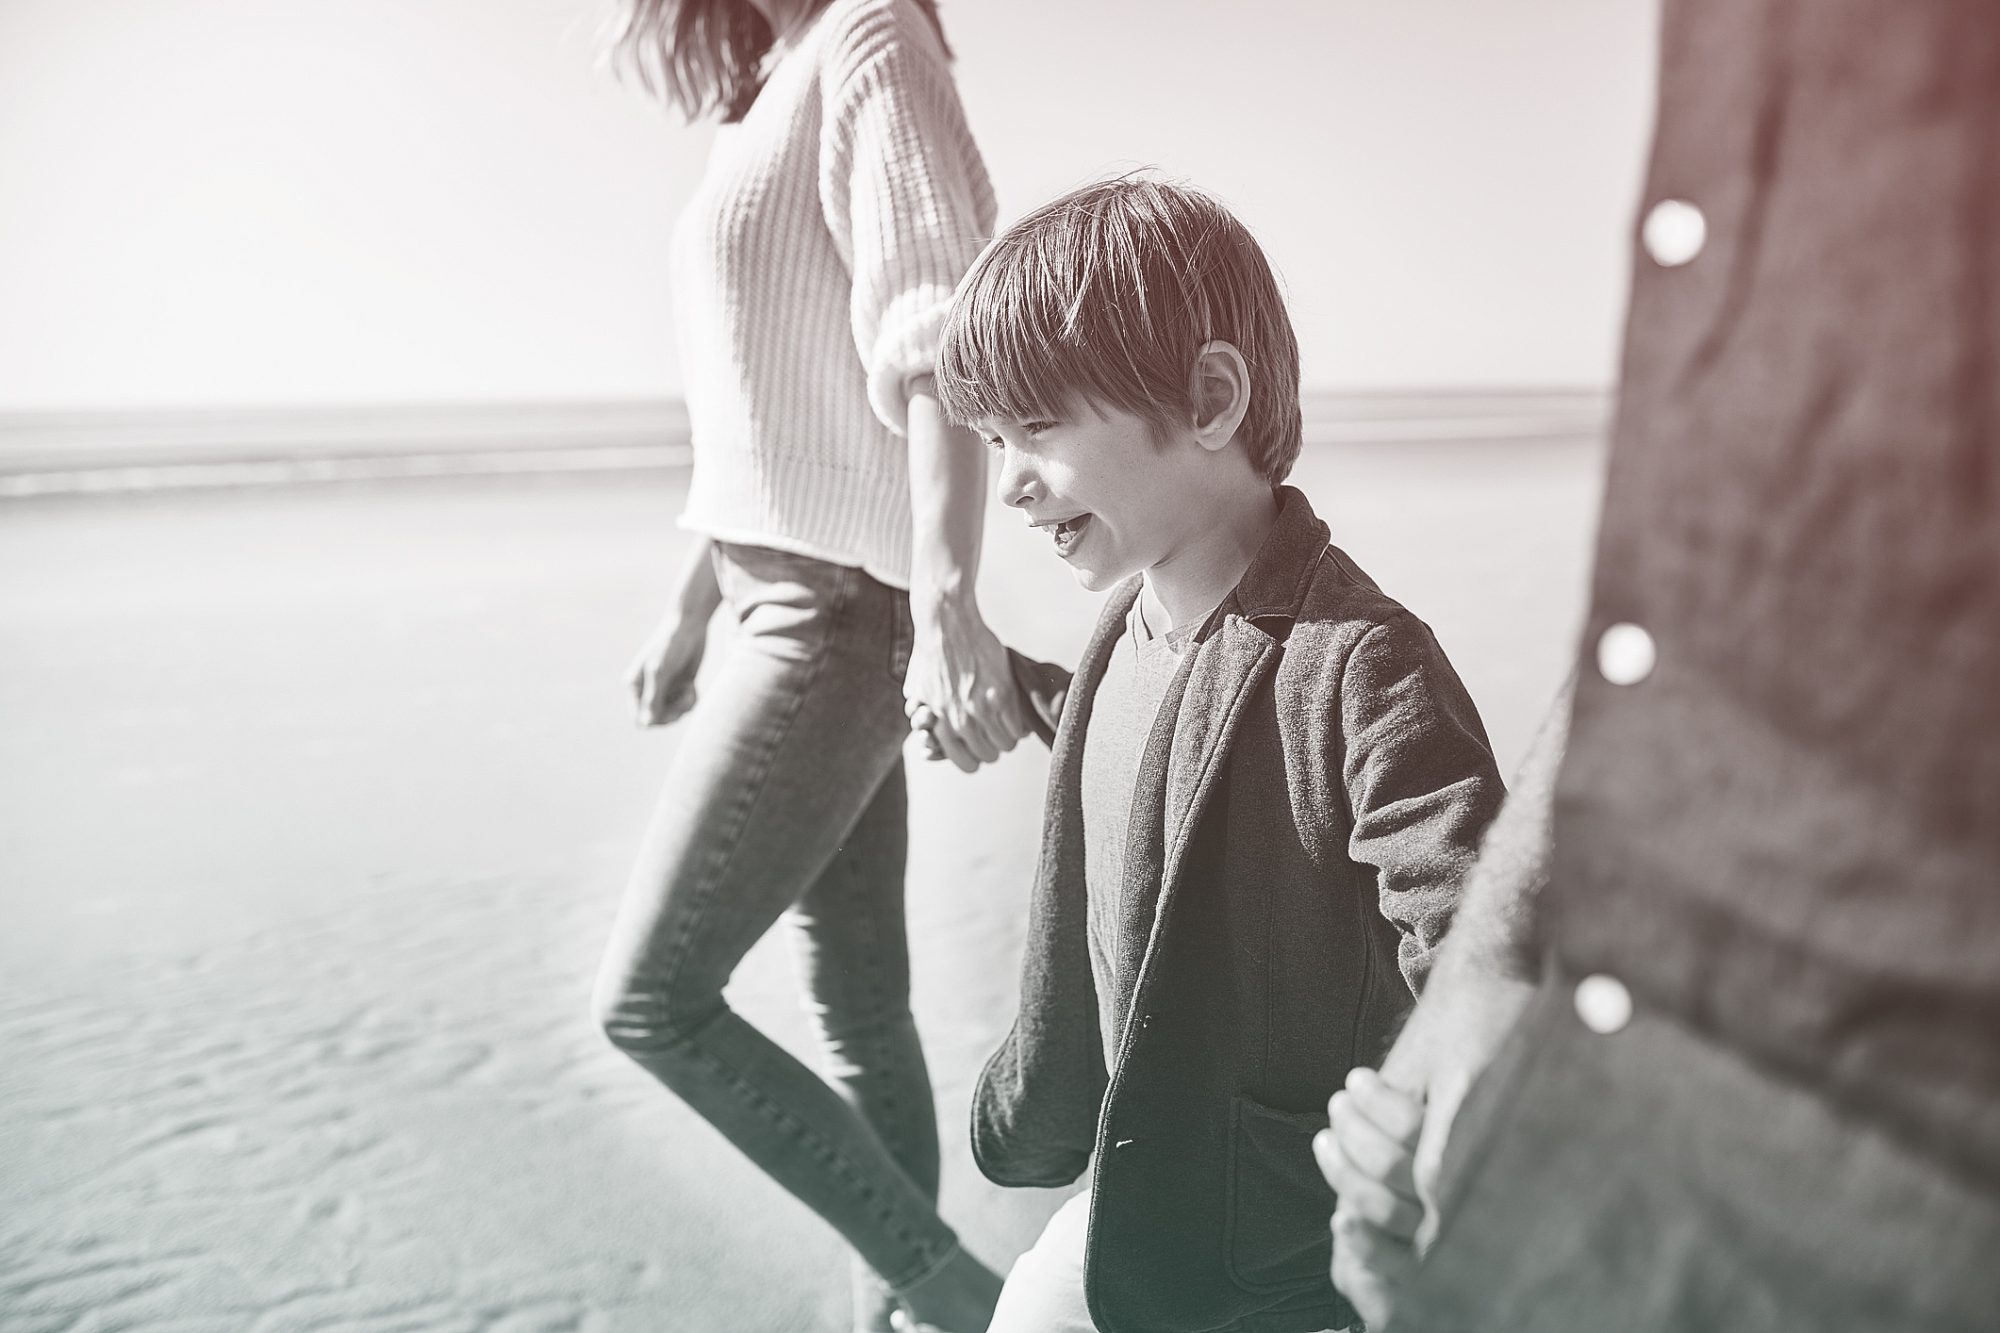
x: 252, y: 203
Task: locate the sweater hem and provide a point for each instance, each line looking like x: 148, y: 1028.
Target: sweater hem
x: 795, y: 546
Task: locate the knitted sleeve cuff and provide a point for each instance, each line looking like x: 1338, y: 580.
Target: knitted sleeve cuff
x: 905, y: 347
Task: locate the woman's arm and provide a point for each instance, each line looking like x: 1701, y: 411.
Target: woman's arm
x: 696, y: 593
x: 908, y: 205
x: 958, y: 669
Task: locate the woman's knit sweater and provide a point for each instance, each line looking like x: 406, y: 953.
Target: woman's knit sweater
x: 811, y: 274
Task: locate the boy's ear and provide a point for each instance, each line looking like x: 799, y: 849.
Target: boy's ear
x: 1221, y: 393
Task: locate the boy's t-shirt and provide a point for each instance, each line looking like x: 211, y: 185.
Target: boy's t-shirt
x: 1135, y: 680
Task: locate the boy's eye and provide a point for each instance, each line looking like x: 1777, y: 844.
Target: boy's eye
x: 1031, y: 429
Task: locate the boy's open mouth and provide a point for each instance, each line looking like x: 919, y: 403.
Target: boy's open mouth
x: 1068, y: 533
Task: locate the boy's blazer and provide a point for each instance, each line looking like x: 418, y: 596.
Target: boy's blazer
x: 1311, y: 795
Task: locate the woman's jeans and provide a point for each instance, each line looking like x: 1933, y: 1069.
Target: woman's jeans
x: 787, y: 798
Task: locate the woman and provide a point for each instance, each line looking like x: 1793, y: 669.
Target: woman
x: 839, y: 520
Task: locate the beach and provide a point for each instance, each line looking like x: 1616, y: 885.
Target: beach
x: 319, y: 801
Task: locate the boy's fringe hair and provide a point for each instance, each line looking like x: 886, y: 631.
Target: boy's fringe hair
x: 1107, y: 295
x: 703, y: 56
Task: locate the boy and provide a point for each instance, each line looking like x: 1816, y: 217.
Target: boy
x: 1266, y: 781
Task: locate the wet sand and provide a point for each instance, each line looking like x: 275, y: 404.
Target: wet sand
x: 317, y: 805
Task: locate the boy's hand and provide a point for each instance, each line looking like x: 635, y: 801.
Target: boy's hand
x: 1368, y: 1155
x: 924, y: 723
x: 939, y: 740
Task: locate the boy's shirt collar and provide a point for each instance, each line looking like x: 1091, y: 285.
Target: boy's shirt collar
x: 1150, y: 622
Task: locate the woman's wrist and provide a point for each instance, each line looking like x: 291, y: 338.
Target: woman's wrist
x: 696, y: 593
x: 696, y: 604
x: 938, y: 598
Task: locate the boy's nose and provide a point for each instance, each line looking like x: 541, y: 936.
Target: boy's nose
x: 1016, y: 480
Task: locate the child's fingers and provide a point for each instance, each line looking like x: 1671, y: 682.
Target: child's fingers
x: 1370, y: 1267
x: 1332, y: 1165
x: 1376, y: 1154
x: 984, y: 722
x: 1343, y: 1176
x: 1364, y: 1186
x: 993, y: 725
x: 1377, y: 1204
x: 973, y: 737
x: 954, y: 747
x: 1012, y: 715
x: 926, y: 739
x: 1391, y: 1110
x: 1366, y: 1241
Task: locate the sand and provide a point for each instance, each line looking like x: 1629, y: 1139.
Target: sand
x: 317, y: 805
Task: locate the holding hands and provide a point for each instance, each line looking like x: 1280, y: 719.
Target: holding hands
x: 960, y: 691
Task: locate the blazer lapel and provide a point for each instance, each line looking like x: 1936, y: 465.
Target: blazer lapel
x: 1059, y: 914
x: 1185, y: 755
x: 1034, y: 1111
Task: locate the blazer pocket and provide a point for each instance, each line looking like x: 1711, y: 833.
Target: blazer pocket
x: 1277, y: 1232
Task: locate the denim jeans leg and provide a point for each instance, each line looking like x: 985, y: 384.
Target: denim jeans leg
x: 784, y: 755
x: 852, y: 954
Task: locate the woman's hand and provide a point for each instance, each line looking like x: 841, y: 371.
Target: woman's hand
x: 959, y: 675
x: 661, y: 677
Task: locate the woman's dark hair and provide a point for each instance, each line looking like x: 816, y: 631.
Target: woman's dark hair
x: 704, y: 55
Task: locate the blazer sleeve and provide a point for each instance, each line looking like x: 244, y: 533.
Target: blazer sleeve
x: 1044, y: 688
x: 1420, y: 780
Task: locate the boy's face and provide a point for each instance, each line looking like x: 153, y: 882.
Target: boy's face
x: 1114, y: 496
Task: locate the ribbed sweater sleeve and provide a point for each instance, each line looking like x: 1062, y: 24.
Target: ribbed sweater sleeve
x: 903, y: 189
